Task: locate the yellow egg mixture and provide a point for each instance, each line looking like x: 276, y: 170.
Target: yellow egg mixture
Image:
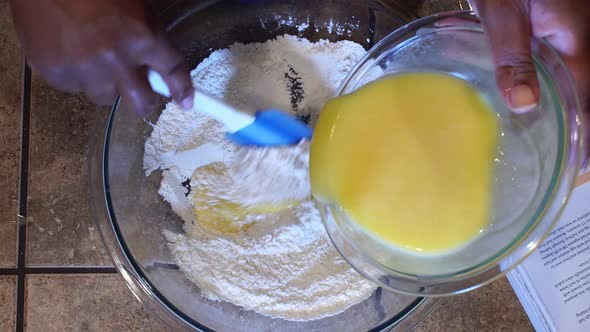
x: 410, y: 159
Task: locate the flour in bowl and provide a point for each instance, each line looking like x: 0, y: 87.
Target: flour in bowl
x: 260, y: 243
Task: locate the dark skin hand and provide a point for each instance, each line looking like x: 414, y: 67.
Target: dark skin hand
x: 510, y: 24
x: 102, y: 48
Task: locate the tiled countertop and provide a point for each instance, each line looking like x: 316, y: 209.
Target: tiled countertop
x: 58, y: 276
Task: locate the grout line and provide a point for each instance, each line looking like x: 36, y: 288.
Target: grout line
x: 8, y: 271
x: 24, y: 140
x: 71, y: 270
x: 23, y: 194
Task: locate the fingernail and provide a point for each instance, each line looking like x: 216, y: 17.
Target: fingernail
x: 187, y: 103
x: 522, y: 99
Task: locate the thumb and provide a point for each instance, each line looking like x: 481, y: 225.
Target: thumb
x: 508, y: 28
x: 166, y: 60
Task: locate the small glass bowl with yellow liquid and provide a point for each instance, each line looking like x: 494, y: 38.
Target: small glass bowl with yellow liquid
x: 428, y: 184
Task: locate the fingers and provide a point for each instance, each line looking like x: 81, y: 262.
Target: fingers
x: 98, y: 81
x: 101, y: 93
x: 135, y: 88
x: 64, y: 78
x: 578, y: 63
x: 508, y: 28
x: 125, y: 71
x: 166, y: 60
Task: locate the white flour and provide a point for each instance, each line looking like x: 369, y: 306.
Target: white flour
x: 284, y: 265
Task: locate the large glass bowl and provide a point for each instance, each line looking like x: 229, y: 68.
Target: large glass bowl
x: 131, y: 215
x: 536, y: 161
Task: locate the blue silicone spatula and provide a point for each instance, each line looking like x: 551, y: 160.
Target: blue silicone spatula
x: 266, y: 128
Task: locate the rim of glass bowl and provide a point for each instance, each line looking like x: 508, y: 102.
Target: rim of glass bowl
x: 566, y: 169
x: 135, y: 278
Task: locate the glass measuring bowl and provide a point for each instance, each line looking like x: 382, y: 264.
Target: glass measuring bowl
x: 536, y: 161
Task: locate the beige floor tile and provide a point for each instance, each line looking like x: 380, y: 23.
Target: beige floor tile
x: 60, y: 230
x: 84, y: 303
x: 7, y: 303
x: 10, y: 68
x: 491, y: 308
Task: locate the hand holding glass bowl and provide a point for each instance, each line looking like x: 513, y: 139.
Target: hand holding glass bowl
x: 537, y: 159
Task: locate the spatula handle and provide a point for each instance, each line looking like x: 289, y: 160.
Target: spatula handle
x: 232, y: 119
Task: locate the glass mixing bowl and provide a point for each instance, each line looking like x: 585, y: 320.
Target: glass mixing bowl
x: 535, y: 165
x: 129, y: 211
